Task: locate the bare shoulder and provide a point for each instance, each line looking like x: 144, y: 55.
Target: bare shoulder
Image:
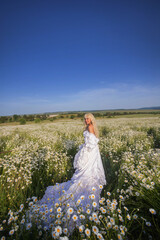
x: 91, y: 129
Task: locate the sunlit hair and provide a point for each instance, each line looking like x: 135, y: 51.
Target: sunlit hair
x: 93, y: 120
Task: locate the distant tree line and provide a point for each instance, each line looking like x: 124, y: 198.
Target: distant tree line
x: 22, y: 119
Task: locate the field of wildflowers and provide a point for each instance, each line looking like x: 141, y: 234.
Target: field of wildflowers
x: 35, y: 156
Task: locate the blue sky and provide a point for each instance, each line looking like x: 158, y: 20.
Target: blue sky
x: 59, y: 55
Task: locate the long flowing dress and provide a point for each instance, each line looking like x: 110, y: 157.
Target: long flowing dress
x: 66, y: 204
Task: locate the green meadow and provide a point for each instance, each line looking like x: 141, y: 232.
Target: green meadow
x: 35, y: 155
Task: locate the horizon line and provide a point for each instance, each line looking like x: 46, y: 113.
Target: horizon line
x: 141, y: 108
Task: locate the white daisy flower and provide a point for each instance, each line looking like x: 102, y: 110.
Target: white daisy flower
x: 58, y: 230
x: 152, y: 211
x: 148, y: 224
x: 11, y: 232
x: 82, y: 197
x: 74, y: 217
x: 88, y: 211
x: 81, y: 216
x: 92, y: 196
x: 65, y: 230
x: 94, y: 204
x: 87, y: 232
x: 59, y: 209
x: 99, y: 236
x: 28, y: 226
x: 81, y: 228
x: 70, y: 210
x: 95, y: 230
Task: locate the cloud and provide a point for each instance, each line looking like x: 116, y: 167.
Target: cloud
x: 119, y: 96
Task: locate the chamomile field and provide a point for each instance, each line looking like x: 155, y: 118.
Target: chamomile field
x: 34, y: 156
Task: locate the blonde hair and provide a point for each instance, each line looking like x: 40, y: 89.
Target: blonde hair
x: 93, y: 120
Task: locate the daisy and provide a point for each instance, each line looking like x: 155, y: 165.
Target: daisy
x: 108, y: 201
x: 87, y: 232
x: 95, y: 230
x: 94, y: 204
x: 11, y: 232
x: 121, y: 197
x: 82, y: 197
x: 152, y: 211
x: 29, y: 225
x: 119, y: 237
x: 58, y: 230
x: 101, y: 201
x: 82, y: 216
x: 148, y: 224
x: 129, y: 217
x: 119, y: 210
x: 96, y: 220
x: 79, y: 211
x: 109, y: 225
x: 135, y: 216
x: 116, y: 227
x: 56, y: 204
x: 31, y: 203
x: 70, y: 210
x: 58, y: 215
x: 94, y: 215
x: 122, y: 232
x: 88, y: 211
x: 21, y: 206
x: 112, y: 221
x: 53, y: 234
x: 103, y: 210
x: 81, y: 228
x: 64, y: 219
x: 78, y: 201
x: 40, y: 233
x: 92, y: 196
x: 74, y: 217
x: 65, y: 230
x: 22, y: 221
x: 59, y: 209
x: 126, y: 208
x: 99, y: 236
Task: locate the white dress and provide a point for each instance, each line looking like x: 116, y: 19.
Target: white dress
x: 77, y: 194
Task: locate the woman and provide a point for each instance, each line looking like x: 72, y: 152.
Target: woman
x: 73, y: 198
